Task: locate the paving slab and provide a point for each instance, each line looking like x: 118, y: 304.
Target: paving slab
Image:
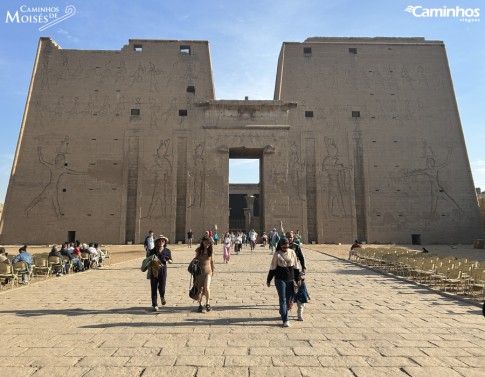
x: 358, y: 323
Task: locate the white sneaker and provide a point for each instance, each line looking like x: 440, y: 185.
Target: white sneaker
x: 286, y: 324
x: 155, y: 309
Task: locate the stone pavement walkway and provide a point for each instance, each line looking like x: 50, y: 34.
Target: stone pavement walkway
x: 358, y: 323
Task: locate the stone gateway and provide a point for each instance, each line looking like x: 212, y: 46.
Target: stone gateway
x: 362, y: 140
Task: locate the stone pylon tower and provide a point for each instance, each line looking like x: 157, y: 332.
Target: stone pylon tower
x: 362, y: 140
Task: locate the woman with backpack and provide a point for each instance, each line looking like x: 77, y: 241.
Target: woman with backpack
x: 204, y: 254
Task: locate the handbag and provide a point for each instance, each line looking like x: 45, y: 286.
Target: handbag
x: 193, y: 292
x: 156, y: 266
x: 194, y: 267
x: 145, y: 264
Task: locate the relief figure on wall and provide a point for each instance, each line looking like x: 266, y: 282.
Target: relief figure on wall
x: 196, y: 175
x: 56, y: 170
x: 337, y: 180
x: 154, y: 73
x: 297, y: 168
x: 438, y: 193
x: 163, y: 175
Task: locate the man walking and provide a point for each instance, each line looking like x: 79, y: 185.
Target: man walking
x: 149, y: 242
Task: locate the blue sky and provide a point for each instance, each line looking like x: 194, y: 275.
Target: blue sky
x: 245, y: 38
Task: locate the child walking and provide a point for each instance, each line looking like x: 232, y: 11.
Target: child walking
x: 302, y: 296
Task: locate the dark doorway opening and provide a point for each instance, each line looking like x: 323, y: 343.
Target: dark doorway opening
x: 71, y: 236
x: 416, y: 239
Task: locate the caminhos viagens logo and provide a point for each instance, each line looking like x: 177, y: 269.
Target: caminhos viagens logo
x: 459, y: 13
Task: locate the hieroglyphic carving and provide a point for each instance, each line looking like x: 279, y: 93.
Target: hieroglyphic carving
x: 44, y: 74
x: 163, y: 179
x: 154, y: 110
x: 297, y: 167
x: 120, y: 73
x: 50, y: 192
x: 105, y: 107
x: 196, y: 176
x: 39, y: 112
x: 437, y: 191
x: 137, y: 76
x: 153, y: 72
x: 337, y: 177
x: 74, y: 109
x: 119, y: 108
x: 406, y: 78
x: 421, y: 77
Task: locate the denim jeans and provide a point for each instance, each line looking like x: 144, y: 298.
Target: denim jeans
x: 285, y: 291
x: 77, y: 262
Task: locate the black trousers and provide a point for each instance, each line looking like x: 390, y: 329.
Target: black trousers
x: 158, y: 283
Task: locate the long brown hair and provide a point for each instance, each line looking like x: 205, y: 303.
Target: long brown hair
x: 201, y: 248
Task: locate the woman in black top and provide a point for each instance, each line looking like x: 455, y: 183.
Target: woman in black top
x: 282, y: 269
x: 164, y: 255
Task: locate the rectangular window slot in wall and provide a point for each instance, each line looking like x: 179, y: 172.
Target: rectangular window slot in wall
x: 307, y: 50
x: 191, y: 89
x: 355, y: 114
x: 185, y: 50
x: 65, y: 164
x: 183, y: 113
x: 308, y: 114
x: 135, y: 112
x: 352, y: 50
x: 137, y: 48
x: 64, y: 190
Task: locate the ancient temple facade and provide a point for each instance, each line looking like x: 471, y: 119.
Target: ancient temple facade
x: 362, y: 140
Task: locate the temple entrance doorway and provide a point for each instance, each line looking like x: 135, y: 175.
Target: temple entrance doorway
x: 245, y: 199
